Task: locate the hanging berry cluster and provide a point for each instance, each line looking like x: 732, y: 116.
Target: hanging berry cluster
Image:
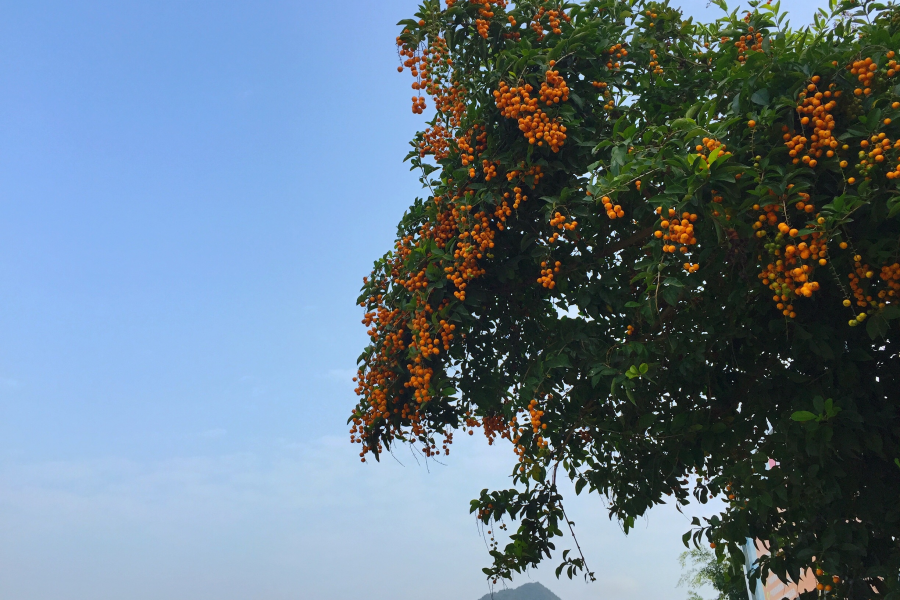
x: 431, y: 68
x: 537, y: 126
x: 863, y: 285
x: 677, y: 234
x: 874, y: 151
x: 815, y: 107
x: 866, y: 69
x: 559, y: 221
x: 537, y: 426
x: 397, y: 334
x: 554, y: 22
x: 752, y: 42
x: 547, y: 273
x: 603, y: 87
x: 706, y: 149
x: 794, y: 254
x: 654, y: 63
x: 612, y: 211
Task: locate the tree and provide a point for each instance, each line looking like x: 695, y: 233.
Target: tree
x: 659, y: 258
x: 705, y: 569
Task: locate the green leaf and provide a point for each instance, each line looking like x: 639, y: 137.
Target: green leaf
x: 890, y: 312
x: 560, y: 360
x: 579, y: 485
x: 683, y: 123
x: 760, y: 97
x: 803, y: 415
x: 876, y: 326
x: 630, y: 396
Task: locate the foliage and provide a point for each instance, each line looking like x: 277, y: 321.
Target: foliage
x: 662, y: 256
x: 706, y: 569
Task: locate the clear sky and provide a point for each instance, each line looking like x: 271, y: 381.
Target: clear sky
x: 190, y: 194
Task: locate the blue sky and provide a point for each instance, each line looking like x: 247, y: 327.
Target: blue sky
x: 190, y: 194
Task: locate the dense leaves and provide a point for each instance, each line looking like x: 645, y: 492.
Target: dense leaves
x: 661, y: 259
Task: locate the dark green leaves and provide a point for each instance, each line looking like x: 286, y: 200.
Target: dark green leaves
x: 760, y: 97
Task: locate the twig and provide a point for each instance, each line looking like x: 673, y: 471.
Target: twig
x: 589, y: 573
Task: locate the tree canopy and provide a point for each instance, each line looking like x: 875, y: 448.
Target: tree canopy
x: 660, y: 258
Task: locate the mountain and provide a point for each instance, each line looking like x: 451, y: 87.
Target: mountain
x: 529, y: 591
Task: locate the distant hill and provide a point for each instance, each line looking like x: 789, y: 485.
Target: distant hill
x: 529, y: 591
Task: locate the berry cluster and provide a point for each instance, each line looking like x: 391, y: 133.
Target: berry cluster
x: 613, y: 212
x: 824, y: 582
x: 815, y: 106
x: 865, y: 71
x: 615, y: 51
x: 890, y: 274
x: 533, y: 171
x: 431, y: 69
x: 873, y: 152
x: 654, y: 63
x: 489, y: 168
x: 537, y: 427
x: 554, y: 21
x: 537, y: 126
x: 519, y: 198
x: 546, y: 278
x: 794, y: 254
x: 708, y: 147
x: 676, y: 232
x: 467, y: 149
x: 752, y: 42
x: 863, y: 277
x: 397, y: 393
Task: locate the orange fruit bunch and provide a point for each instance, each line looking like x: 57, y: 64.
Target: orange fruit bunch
x: 676, y: 232
x: 537, y: 126
x: 755, y: 41
x: 546, y: 278
x: 815, y: 107
x: 613, y: 212
x: 654, y: 63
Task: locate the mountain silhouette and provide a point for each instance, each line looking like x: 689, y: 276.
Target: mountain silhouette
x: 529, y: 591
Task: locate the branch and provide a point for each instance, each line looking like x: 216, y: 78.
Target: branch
x: 589, y: 573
